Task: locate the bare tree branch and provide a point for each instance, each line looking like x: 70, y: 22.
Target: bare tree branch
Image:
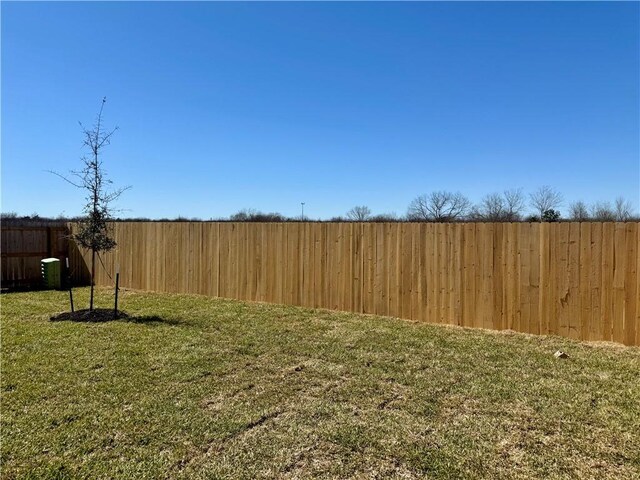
x: 65, y: 179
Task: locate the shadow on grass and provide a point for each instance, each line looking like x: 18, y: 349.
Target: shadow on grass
x: 103, y: 315
x: 152, y: 320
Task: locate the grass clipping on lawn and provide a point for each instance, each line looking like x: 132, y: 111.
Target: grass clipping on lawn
x: 195, y: 387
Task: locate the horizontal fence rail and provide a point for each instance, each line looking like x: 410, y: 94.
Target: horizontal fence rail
x: 23, y: 248
x: 577, y: 280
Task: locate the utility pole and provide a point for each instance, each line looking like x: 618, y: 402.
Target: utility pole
x: 302, y: 217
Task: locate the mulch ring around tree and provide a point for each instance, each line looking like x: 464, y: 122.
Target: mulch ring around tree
x: 95, y: 315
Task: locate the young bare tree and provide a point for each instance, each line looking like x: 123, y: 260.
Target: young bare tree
x: 438, y: 206
x: 93, y: 228
x: 359, y: 213
x: 578, y: 211
x: 545, y: 198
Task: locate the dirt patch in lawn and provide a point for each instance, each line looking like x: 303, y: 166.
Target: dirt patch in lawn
x: 95, y: 315
x: 99, y: 315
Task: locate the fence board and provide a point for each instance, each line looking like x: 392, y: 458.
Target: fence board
x: 576, y: 280
x: 618, y: 282
x: 630, y: 283
x: 596, y: 281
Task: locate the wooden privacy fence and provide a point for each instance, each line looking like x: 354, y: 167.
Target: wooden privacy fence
x: 578, y: 280
x: 22, y: 250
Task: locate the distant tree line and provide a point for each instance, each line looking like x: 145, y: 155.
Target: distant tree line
x: 542, y: 205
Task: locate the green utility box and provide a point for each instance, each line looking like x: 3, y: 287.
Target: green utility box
x: 51, y: 273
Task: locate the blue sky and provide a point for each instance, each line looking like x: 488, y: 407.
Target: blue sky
x: 223, y: 106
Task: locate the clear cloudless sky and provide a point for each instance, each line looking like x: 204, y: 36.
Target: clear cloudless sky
x: 223, y: 106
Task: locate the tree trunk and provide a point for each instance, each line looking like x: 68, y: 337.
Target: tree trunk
x: 93, y: 273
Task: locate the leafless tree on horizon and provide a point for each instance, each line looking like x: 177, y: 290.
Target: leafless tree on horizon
x: 439, y: 206
x: 623, y: 209
x: 500, y: 207
x: 545, y: 198
x: 359, y: 213
x: 603, y: 212
x: 578, y: 211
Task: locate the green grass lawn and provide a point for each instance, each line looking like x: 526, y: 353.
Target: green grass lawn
x: 224, y: 389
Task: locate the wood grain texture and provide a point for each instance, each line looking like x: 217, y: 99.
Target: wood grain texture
x: 22, y: 249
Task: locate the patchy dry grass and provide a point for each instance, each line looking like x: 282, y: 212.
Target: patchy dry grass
x: 194, y: 387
